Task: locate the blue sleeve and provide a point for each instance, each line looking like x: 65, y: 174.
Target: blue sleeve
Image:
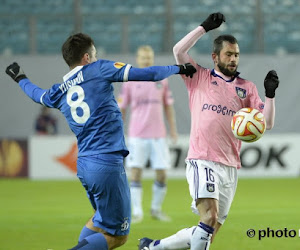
x: 51, y: 98
x: 153, y: 73
x: 114, y: 71
x: 32, y: 91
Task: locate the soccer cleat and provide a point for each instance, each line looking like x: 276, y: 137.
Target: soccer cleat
x: 144, y: 244
x: 159, y: 215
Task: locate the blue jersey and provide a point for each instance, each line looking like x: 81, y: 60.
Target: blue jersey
x: 87, y: 101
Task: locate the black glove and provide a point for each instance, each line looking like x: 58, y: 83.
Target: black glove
x: 271, y: 83
x: 187, y: 69
x: 15, y: 72
x: 213, y: 21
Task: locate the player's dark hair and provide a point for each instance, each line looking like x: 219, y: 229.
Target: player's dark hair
x: 75, y: 47
x: 218, y: 42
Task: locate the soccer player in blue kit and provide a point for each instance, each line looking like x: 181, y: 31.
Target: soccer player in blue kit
x: 85, y: 97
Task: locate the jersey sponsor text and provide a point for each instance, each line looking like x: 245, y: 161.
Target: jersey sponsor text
x: 219, y: 109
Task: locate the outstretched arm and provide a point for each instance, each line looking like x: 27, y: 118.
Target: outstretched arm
x: 31, y: 90
x: 157, y: 73
x: 271, y: 84
x: 180, y: 50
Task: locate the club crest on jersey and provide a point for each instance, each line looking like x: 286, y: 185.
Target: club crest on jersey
x: 262, y: 106
x: 119, y: 65
x: 242, y: 93
x: 210, y: 187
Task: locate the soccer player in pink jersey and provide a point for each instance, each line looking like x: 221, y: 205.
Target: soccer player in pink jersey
x: 213, y: 158
x: 147, y: 135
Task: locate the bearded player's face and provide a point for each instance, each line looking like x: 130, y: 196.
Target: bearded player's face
x: 228, y: 60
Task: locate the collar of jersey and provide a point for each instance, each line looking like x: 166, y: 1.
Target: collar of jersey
x: 72, y: 72
x: 212, y: 72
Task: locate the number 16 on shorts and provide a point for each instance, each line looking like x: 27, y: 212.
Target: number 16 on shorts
x: 202, y: 179
x: 210, y: 179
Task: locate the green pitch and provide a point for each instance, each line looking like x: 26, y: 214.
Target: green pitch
x: 41, y: 215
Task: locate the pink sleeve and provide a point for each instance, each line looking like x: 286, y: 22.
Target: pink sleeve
x: 180, y: 50
x: 124, y: 96
x: 267, y: 108
x: 167, y: 95
x: 269, y: 112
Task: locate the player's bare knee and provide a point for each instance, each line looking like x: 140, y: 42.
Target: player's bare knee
x: 161, y: 176
x: 117, y: 241
x: 122, y: 240
x: 136, y: 174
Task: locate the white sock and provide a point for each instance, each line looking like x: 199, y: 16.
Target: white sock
x: 180, y: 240
x: 159, y: 191
x: 201, y: 237
x: 136, y: 191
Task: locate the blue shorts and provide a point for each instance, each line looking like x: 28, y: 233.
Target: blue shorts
x: 105, y: 181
